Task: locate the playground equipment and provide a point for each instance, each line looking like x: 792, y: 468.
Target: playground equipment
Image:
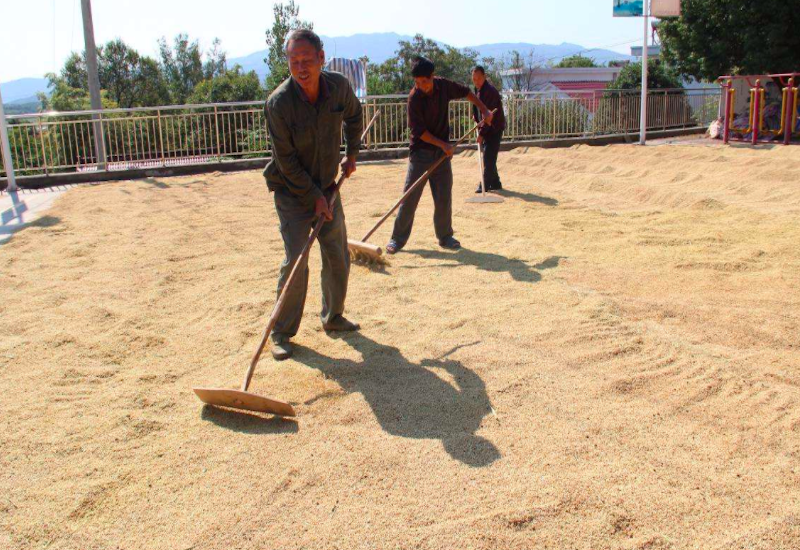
x: 758, y: 103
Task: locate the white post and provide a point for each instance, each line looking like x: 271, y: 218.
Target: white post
x: 7, y: 161
x: 94, y: 82
x: 643, y: 119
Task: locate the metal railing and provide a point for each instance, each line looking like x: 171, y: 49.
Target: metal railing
x: 47, y: 143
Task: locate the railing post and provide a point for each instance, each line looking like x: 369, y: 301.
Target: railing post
x: 619, y: 116
x: 44, y: 149
x: 161, y: 139
x: 100, y: 143
x: 665, y: 111
x: 791, y: 113
x: 8, y: 162
x: 554, y: 115
x: 216, y: 129
x: 368, y: 110
x: 726, y: 127
x: 756, y: 123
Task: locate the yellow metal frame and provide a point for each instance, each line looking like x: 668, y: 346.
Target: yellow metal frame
x: 733, y: 111
x: 795, y: 106
x: 780, y: 131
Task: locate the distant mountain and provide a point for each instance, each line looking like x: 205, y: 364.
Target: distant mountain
x: 22, y: 89
x: 549, y: 53
x: 22, y: 106
x: 23, y: 100
x: 381, y: 46
x: 377, y: 46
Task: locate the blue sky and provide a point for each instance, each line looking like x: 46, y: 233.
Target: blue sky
x: 241, y: 24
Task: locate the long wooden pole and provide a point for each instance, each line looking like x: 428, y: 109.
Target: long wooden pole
x: 645, y: 68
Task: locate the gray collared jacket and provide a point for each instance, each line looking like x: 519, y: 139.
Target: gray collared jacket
x: 306, y: 138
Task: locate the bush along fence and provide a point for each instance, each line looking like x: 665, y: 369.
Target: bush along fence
x: 43, y: 144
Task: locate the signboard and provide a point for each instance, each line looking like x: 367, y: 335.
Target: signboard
x: 628, y: 8
x: 666, y: 8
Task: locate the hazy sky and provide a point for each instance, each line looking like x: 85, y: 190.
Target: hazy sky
x: 37, y: 35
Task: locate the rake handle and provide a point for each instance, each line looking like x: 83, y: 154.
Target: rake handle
x: 480, y: 166
x: 420, y: 181
x: 301, y: 261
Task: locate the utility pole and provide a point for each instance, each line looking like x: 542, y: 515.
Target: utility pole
x: 645, y: 47
x: 94, y: 83
x: 8, y: 164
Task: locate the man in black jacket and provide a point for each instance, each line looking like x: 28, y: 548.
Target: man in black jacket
x: 489, y: 136
x: 429, y: 123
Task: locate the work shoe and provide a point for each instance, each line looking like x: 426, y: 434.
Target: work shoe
x: 282, y: 348
x: 480, y: 189
x: 393, y: 247
x: 450, y: 243
x: 340, y: 324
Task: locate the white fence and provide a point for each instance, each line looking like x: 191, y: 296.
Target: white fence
x: 48, y: 143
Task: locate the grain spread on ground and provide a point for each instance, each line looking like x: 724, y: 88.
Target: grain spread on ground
x: 611, y: 361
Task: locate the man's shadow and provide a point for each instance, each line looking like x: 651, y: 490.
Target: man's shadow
x: 528, y: 197
x: 518, y: 269
x: 436, y: 399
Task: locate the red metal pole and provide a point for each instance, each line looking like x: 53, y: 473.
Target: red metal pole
x: 790, y: 113
x: 726, y: 131
x: 756, y: 122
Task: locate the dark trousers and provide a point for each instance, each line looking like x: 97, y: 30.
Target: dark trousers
x: 441, y: 182
x: 491, y: 147
x: 297, y: 221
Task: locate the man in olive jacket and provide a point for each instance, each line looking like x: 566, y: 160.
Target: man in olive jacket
x: 304, y: 116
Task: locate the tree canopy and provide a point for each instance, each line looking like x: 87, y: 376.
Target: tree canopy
x: 659, y: 76
x: 285, y: 21
x: 394, y: 75
x: 718, y: 37
x: 232, y: 85
x: 128, y: 79
x: 576, y: 61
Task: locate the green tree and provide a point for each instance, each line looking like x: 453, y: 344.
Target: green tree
x: 576, y: 61
x: 216, y: 60
x: 182, y: 67
x: 388, y: 77
x: 719, y: 37
x: 230, y: 86
x: 74, y: 72
x: 659, y: 76
x: 394, y: 75
x: 126, y: 78
x: 151, y: 87
x: 376, y: 85
x: 285, y: 22
x: 64, y: 97
x: 450, y: 62
x: 130, y: 79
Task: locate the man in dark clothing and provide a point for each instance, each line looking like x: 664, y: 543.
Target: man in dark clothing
x: 428, y: 120
x: 489, y: 137
x: 304, y: 117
